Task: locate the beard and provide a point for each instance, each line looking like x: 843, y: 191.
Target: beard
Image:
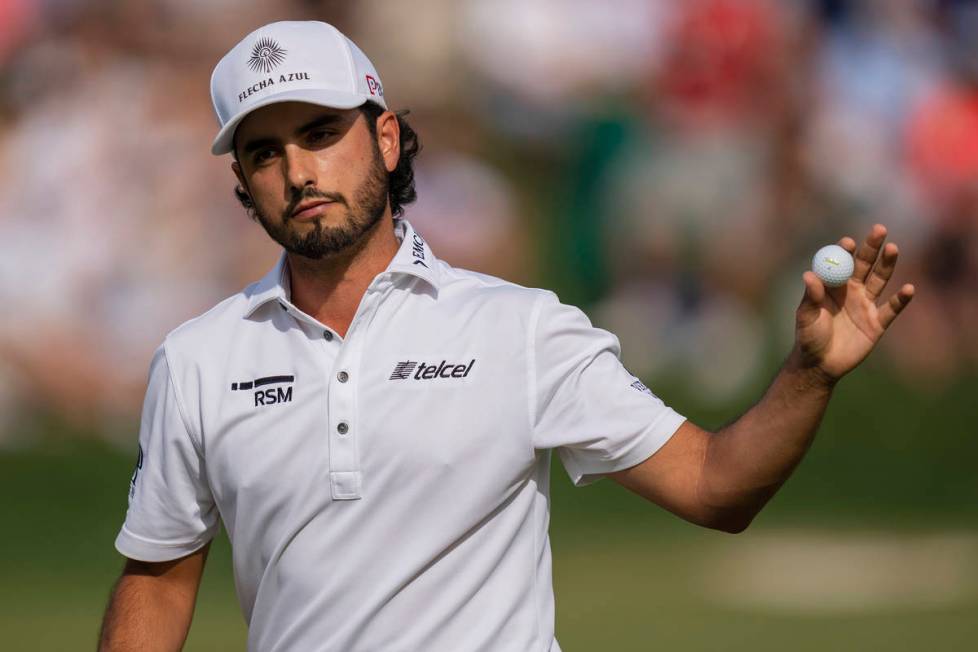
x: 321, y: 241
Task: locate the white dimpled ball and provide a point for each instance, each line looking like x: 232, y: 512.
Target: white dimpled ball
x: 833, y: 265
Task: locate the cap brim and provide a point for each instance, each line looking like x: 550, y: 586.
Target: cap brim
x: 333, y: 99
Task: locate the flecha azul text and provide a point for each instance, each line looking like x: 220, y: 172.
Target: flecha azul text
x: 265, y: 83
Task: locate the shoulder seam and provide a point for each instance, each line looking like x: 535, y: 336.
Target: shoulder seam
x: 531, y: 366
x: 483, y: 279
x: 185, y: 325
x: 181, y: 408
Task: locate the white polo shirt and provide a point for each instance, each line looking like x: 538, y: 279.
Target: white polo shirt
x: 388, y: 490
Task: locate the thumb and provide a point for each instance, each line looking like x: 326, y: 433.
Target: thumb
x: 811, y: 302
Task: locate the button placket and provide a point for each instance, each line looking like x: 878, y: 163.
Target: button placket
x: 344, y: 463
x: 344, y: 468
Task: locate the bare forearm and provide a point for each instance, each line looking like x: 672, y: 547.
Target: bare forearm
x: 747, y: 461
x: 142, y: 615
x: 152, y: 605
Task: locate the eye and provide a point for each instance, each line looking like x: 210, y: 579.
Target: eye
x: 262, y: 155
x: 319, y: 135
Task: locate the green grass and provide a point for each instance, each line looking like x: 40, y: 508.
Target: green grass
x: 64, y: 504
x: 632, y: 595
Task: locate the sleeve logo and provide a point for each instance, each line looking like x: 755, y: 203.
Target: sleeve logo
x: 640, y: 386
x: 135, y: 473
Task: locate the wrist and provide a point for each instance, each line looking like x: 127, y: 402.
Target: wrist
x: 808, y: 372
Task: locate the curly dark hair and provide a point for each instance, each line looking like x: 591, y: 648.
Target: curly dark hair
x: 400, y: 187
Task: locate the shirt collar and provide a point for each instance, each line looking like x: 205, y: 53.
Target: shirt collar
x: 413, y: 258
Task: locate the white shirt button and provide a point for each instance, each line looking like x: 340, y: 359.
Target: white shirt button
x: 342, y: 428
x: 328, y: 336
x: 343, y: 376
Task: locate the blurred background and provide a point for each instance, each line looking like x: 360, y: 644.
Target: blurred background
x: 668, y: 166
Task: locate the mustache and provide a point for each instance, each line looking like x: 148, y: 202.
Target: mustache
x: 312, y: 193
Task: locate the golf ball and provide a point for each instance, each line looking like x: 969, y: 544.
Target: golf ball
x: 833, y: 265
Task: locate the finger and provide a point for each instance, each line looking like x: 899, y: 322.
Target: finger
x: 867, y: 252
x: 838, y: 293
x: 811, y: 301
x: 882, y: 271
x: 895, y: 305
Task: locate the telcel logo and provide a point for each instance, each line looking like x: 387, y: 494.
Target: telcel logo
x: 424, y: 371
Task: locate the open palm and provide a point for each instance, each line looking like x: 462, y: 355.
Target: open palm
x: 836, y: 328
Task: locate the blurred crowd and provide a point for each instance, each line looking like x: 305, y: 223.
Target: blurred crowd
x: 668, y: 166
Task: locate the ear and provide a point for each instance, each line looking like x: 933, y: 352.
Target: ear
x: 389, y: 139
x: 236, y: 168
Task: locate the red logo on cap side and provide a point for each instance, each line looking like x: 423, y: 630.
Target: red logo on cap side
x: 374, y: 86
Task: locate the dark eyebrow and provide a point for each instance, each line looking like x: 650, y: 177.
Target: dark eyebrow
x: 321, y: 121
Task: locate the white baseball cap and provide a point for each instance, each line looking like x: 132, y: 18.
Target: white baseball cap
x: 304, y: 61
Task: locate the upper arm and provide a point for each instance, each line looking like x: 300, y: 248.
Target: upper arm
x: 584, y: 403
x: 671, y: 477
x: 172, y: 511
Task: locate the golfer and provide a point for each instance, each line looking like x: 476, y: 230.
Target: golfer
x: 373, y: 426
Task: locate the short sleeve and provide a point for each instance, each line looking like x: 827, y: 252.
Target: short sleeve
x: 585, y: 404
x: 171, y: 510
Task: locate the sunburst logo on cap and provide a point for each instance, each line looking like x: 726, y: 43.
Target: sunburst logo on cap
x: 266, y: 55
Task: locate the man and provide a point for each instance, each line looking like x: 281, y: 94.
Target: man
x: 373, y: 426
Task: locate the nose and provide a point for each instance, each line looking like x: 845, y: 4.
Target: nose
x: 300, y: 167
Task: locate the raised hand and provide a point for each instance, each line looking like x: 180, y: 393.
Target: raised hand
x: 836, y: 328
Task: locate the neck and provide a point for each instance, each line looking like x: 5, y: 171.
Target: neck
x: 330, y: 289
